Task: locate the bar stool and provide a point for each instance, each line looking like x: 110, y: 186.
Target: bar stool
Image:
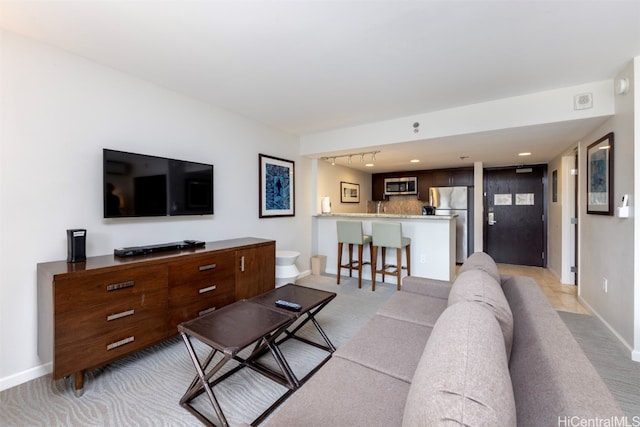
x: 350, y: 232
x: 389, y: 235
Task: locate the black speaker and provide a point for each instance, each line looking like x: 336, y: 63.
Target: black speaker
x: 76, y: 245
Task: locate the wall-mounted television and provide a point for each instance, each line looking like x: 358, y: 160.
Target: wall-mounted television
x: 139, y: 185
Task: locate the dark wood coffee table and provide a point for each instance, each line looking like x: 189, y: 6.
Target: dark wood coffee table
x: 311, y: 301
x: 228, y: 331
x: 256, y: 321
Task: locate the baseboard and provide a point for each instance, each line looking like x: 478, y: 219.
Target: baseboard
x: 304, y: 274
x: 635, y: 355
x: 25, y: 376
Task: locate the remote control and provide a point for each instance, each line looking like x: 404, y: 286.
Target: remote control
x: 287, y: 305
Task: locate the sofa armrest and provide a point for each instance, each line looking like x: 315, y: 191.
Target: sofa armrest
x: 429, y: 287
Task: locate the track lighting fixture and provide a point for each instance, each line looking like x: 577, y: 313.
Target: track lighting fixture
x: 333, y: 159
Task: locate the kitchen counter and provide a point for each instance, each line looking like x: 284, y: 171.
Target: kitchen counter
x: 433, y: 242
x: 386, y: 215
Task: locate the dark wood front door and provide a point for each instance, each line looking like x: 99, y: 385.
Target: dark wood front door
x: 515, y: 223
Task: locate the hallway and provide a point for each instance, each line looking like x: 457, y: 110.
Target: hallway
x: 562, y: 297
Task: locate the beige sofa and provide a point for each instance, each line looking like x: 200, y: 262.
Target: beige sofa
x: 484, y: 350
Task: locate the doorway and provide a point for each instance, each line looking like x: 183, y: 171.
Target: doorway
x: 515, y: 209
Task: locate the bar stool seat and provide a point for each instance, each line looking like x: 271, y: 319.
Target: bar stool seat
x: 389, y: 235
x: 350, y: 232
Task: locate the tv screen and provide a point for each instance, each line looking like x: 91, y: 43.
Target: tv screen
x: 140, y: 185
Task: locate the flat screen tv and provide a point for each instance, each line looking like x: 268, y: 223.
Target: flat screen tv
x: 138, y: 185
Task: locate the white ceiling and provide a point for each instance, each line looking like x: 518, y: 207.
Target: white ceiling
x: 307, y: 66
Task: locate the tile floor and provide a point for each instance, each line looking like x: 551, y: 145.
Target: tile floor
x: 562, y: 297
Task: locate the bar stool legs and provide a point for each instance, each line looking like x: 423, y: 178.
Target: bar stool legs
x: 389, y: 235
x: 352, y: 264
x: 350, y: 232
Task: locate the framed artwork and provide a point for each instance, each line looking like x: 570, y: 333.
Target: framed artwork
x: 600, y: 176
x: 349, y: 192
x: 277, y: 197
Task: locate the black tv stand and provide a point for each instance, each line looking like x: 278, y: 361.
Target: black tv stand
x: 162, y: 247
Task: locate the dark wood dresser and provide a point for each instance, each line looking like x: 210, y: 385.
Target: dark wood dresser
x: 94, y: 312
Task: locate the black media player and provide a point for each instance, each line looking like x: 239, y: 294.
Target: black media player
x: 150, y: 249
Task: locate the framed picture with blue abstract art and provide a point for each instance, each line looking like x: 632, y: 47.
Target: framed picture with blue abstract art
x: 277, y: 196
x: 600, y: 176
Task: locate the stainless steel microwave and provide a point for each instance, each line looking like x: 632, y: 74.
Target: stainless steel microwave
x: 400, y: 186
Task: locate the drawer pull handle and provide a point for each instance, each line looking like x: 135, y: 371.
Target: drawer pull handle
x: 123, y: 285
x: 208, y: 310
x: 120, y: 315
x: 120, y: 343
x: 207, y: 267
x: 208, y: 289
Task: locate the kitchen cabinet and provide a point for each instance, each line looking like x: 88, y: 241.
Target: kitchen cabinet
x: 425, y: 181
x: 377, y: 186
x: 94, y: 312
x: 453, y: 177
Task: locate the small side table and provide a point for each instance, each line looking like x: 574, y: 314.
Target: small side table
x: 311, y: 302
x: 228, y: 331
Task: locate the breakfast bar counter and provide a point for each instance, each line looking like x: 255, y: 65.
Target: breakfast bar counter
x: 433, y: 242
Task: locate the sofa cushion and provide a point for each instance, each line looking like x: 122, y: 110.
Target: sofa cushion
x: 425, y: 286
x: 480, y: 287
x: 413, y: 308
x: 462, y: 377
x: 387, y: 345
x: 481, y: 261
x: 552, y: 377
x: 344, y: 393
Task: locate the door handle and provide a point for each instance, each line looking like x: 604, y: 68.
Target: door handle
x: 492, y: 218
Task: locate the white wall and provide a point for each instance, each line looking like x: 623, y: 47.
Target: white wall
x: 554, y: 223
x: 551, y: 106
x: 635, y: 91
x: 328, y: 181
x: 560, y: 231
x: 606, y: 242
x: 57, y: 113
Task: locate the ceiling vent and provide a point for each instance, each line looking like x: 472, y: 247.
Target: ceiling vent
x: 583, y: 101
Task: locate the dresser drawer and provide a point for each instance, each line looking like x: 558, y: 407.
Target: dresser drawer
x: 197, y: 291
x: 107, y: 287
x: 202, y: 271
x: 126, y: 311
x: 87, y: 353
x: 183, y: 313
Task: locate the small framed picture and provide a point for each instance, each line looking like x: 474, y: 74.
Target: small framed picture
x: 277, y: 179
x: 600, y: 176
x: 349, y: 192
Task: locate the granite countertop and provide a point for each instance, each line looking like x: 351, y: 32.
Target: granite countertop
x: 386, y: 215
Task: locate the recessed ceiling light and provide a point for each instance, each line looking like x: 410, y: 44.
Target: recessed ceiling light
x: 524, y: 154
x: 369, y: 165
x: 414, y: 161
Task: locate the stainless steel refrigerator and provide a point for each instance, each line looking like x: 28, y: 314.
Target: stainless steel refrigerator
x: 450, y: 201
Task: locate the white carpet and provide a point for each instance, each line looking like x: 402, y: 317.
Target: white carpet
x: 144, y: 389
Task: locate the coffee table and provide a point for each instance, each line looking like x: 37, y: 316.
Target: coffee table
x: 311, y: 302
x: 256, y: 321
x: 228, y: 331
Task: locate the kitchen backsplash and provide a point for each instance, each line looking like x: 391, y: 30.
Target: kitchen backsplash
x: 402, y: 205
